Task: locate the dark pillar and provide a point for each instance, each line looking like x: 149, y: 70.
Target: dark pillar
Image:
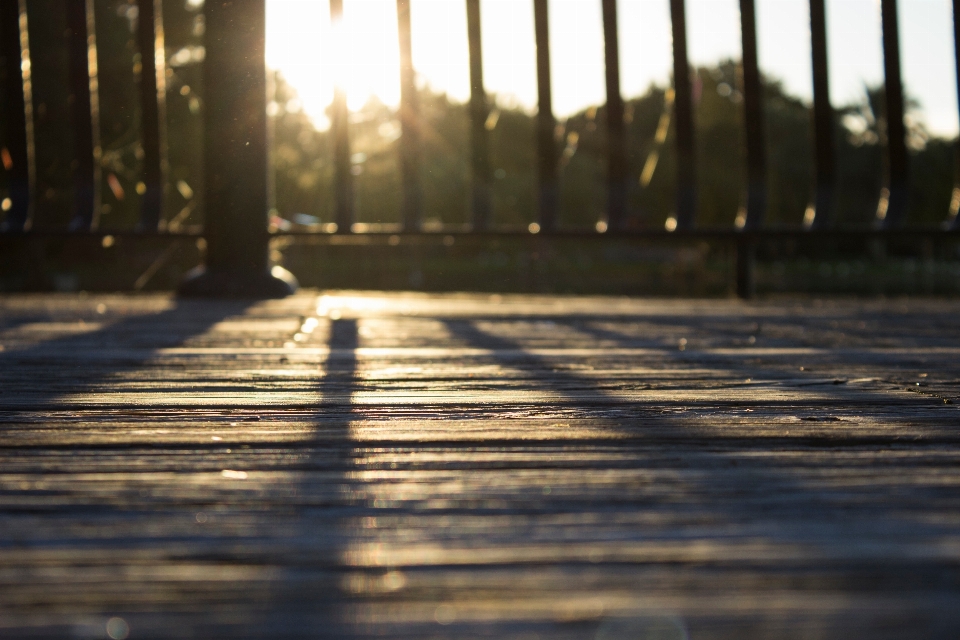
x: 753, y: 120
x: 235, y: 158
x: 892, y: 209
x: 479, y: 112
x: 85, y: 112
x: 409, y: 123
x: 546, y: 123
x: 153, y: 102
x: 822, y: 120
x: 340, y: 128
x: 17, y: 113
x: 616, y: 135
x: 683, y: 115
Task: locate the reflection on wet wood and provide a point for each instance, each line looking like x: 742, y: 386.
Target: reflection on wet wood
x: 415, y: 466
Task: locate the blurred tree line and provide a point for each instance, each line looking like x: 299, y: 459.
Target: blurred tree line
x: 304, y: 170
x: 302, y: 155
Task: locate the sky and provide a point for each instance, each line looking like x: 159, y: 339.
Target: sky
x: 303, y: 45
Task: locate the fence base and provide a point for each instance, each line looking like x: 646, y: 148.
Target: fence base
x: 205, y: 283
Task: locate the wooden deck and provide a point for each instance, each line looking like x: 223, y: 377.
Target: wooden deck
x: 415, y: 466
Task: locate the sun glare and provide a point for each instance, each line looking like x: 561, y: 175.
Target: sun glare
x: 362, y: 53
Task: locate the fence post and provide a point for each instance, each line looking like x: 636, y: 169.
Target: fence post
x: 340, y: 128
x: 17, y: 113
x: 479, y: 112
x: 616, y: 138
x: 85, y: 112
x: 546, y: 123
x: 153, y: 101
x: 235, y: 158
x: 953, y: 221
x: 892, y: 207
x: 683, y: 115
x: 822, y: 121
x: 409, y: 124
x: 756, y: 204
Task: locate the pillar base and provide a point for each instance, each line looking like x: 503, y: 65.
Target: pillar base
x: 205, y: 283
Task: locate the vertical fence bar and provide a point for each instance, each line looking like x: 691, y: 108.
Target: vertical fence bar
x: 822, y: 121
x: 409, y: 123
x: 153, y: 102
x: 756, y: 204
x: 17, y: 113
x: 479, y: 112
x: 892, y: 208
x: 85, y: 112
x: 340, y: 126
x: 616, y: 134
x: 235, y: 158
x: 953, y: 221
x: 271, y: 157
x: 546, y: 123
x: 683, y: 115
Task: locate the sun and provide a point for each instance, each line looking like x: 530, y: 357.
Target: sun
x: 360, y: 53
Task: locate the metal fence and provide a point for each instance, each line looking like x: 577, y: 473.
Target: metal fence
x: 236, y: 141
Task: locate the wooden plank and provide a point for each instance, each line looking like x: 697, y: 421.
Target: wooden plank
x: 408, y: 466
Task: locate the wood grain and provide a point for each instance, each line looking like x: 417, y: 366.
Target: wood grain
x: 357, y: 464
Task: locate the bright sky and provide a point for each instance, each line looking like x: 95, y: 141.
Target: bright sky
x: 301, y: 43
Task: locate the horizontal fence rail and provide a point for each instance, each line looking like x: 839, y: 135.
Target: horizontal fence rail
x: 236, y: 139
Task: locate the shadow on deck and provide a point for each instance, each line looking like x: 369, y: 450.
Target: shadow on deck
x: 454, y: 466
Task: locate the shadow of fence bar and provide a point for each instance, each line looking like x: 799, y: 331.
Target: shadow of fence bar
x: 236, y: 154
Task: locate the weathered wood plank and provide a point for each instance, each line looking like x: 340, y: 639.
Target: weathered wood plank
x: 393, y: 465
